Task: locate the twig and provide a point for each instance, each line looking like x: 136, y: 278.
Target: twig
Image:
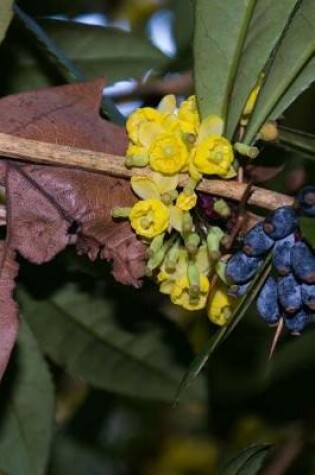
x: 35, y: 151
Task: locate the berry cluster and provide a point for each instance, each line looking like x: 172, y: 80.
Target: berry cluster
x: 290, y: 292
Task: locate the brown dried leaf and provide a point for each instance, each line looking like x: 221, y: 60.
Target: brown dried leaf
x: 9, y: 322
x: 52, y: 207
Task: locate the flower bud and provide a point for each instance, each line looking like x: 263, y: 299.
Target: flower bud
x: 192, y: 242
x: 156, y: 259
x: 136, y: 161
x: 246, y: 150
x: 269, y: 132
x: 156, y: 244
x: 187, y: 224
x: 119, y: 212
x: 222, y: 208
x: 171, y: 258
x: 214, y: 237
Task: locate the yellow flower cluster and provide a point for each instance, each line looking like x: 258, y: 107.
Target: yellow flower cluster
x: 173, y: 140
x: 170, y: 140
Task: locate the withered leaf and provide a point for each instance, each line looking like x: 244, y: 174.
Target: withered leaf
x: 9, y: 311
x: 52, y: 207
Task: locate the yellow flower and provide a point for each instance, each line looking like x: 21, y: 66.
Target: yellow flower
x: 220, y: 306
x: 214, y: 156
x: 168, y: 154
x: 186, y: 201
x: 188, y: 116
x: 149, y: 218
x: 139, y: 117
x: 180, y: 294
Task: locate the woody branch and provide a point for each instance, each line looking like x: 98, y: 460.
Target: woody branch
x: 34, y: 151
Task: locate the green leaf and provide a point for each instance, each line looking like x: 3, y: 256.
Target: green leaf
x: 293, y: 54
x: 304, y: 79
x: 307, y: 226
x: 27, y: 410
x: 266, y: 27
x: 87, y: 336
x: 297, y: 140
x: 242, y: 306
x: 220, y: 29
x: 96, y: 51
x: 6, y: 15
x: 249, y: 462
x: 183, y: 24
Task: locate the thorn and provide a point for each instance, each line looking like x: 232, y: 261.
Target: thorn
x: 276, y: 338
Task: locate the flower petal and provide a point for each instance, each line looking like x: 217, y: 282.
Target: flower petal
x: 144, y: 187
x: 168, y: 104
x: 211, y: 125
x: 165, y: 183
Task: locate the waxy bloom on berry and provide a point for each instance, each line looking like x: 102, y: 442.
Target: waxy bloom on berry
x: 181, y: 293
x: 168, y: 154
x: 149, y: 218
x: 220, y: 306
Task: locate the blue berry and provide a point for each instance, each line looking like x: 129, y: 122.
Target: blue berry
x: 308, y: 295
x: 281, y: 254
x: 306, y: 200
x: 267, y: 302
x: 281, y: 222
x: 289, y: 291
x: 239, y: 290
x: 240, y: 268
x: 256, y: 241
x: 303, y: 262
x: 297, y: 322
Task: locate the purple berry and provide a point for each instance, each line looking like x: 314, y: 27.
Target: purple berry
x: 303, y: 262
x: 297, y: 322
x: 306, y: 200
x: 289, y: 291
x: 281, y: 254
x: 281, y: 222
x: 308, y: 295
x: 267, y: 302
x: 240, y: 268
x: 256, y: 241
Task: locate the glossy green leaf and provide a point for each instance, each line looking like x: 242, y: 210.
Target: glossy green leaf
x: 249, y: 462
x: 87, y: 337
x: 296, y: 140
x: 266, y: 27
x: 27, y: 410
x: 220, y: 29
x: 304, y: 79
x: 96, y: 51
x: 6, y: 15
x: 293, y: 54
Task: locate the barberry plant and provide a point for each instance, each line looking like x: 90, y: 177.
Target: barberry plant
x: 181, y: 202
